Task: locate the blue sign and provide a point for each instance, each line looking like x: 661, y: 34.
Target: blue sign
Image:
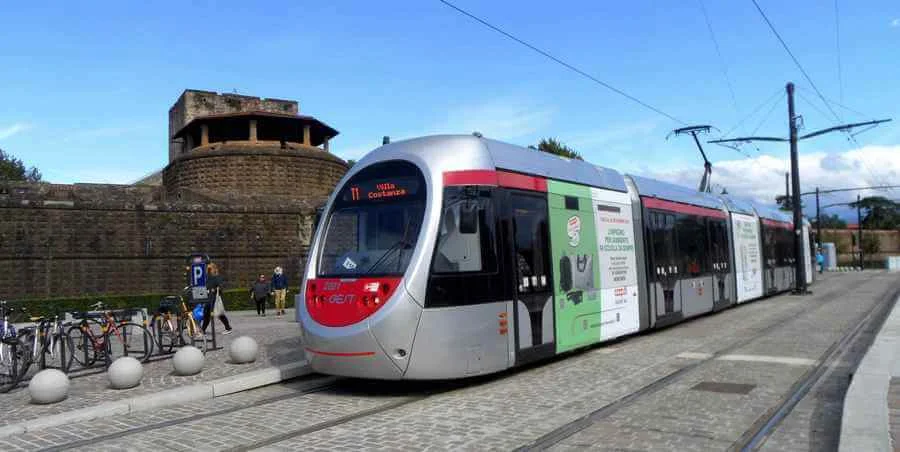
x: 198, y: 278
x: 198, y: 275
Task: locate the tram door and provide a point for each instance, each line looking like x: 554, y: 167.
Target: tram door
x: 534, y: 288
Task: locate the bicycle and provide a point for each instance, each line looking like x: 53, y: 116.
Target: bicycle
x: 190, y: 328
x: 11, y: 354
x: 166, y: 325
x: 116, y: 338
x: 48, y: 343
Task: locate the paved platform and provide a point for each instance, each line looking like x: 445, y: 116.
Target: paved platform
x: 700, y: 385
x: 278, y: 338
x: 871, y: 415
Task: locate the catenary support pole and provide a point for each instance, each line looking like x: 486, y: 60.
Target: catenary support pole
x: 799, y: 269
x: 818, y: 221
x: 859, y: 229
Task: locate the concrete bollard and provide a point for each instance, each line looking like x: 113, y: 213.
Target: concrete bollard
x: 48, y: 386
x: 125, y: 372
x: 188, y: 360
x: 243, y: 350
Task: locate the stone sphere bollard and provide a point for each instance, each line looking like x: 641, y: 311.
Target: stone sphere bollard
x: 188, y: 360
x: 243, y: 350
x: 48, y: 386
x: 125, y: 372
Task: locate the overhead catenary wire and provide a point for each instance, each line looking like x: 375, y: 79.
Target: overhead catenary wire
x: 755, y: 110
x: 563, y: 63
x: 722, y: 63
x: 768, y: 114
x: 812, y: 104
x: 810, y: 81
x: 851, y: 110
x: 794, y: 58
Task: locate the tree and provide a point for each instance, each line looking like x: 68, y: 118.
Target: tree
x: 832, y: 222
x: 880, y: 212
x: 554, y: 146
x: 870, y: 244
x: 12, y: 169
x: 351, y: 162
x: 786, y: 203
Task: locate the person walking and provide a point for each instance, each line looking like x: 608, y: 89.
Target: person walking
x: 820, y: 260
x: 279, y: 288
x: 215, y: 306
x: 259, y: 292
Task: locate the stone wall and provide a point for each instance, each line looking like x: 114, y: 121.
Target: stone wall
x: 299, y: 172
x: 194, y: 103
x: 65, y: 240
x: 847, y: 248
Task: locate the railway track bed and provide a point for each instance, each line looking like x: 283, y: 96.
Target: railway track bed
x: 716, y: 382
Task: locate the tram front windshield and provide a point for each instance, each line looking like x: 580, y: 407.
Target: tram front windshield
x: 374, y: 223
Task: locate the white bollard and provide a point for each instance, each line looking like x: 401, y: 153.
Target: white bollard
x: 188, y: 360
x: 243, y: 350
x: 125, y: 372
x: 48, y: 386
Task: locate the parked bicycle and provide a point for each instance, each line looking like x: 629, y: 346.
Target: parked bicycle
x: 166, y: 325
x: 190, y: 326
x: 14, y: 353
x: 48, y: 344
x: 100, y: 336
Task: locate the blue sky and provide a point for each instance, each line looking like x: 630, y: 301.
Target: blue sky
x: 85, y: 88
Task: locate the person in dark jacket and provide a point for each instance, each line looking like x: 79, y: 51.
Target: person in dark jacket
x: 215, y: 306
x: 259, y: 292
x: 279, y: 289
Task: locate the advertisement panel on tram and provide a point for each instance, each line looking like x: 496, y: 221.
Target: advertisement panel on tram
x: 747, y: 258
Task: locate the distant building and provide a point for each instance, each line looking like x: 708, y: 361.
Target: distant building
x: 243, y: 178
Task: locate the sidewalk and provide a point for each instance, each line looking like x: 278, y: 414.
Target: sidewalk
x: 279, y: 348
x: 871, y: 418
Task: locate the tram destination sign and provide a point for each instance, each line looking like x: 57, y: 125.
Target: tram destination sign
x: 380, y: 189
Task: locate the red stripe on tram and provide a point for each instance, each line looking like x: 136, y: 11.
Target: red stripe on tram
x: 471, y: 177
x: 521, y: 181
x: 345, y: 354
x: 672, y: 206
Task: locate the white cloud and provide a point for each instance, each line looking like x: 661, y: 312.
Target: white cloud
x: 7, y: 132
x: 895, y: 22
x: 762, y: 178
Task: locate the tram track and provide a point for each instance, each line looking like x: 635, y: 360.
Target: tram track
x: 760, y: 431
x: 315, y: 385
x: 565, y: 431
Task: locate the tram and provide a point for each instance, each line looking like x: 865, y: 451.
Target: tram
x: 452, y: 256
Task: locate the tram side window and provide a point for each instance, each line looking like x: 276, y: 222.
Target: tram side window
x: 785, y: 246
x: 466, y: 237
x: 769, y: 246
x: 692, y: 241
x: 718, y: 244
x: 662, y: 237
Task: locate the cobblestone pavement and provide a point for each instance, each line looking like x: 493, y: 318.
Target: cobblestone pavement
x: 894, y: 411
x: 517, y: 407
x: 278, y: 339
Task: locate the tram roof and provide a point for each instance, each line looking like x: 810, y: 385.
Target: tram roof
x: 517, y: 158
x: 772, y: 213
x: 671, y: 192
x: 738, y: 205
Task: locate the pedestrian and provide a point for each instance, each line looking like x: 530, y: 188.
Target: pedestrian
x: 259, y: 293
x: 820, y: 260
x: 215, y: 306
x: 279, y: 288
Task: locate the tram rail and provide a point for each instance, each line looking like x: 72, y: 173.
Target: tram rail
x: 769, y: 421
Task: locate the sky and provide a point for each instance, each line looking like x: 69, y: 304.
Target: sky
x: 85, y: 87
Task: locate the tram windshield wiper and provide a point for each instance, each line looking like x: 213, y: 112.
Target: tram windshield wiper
x: 402, y: 241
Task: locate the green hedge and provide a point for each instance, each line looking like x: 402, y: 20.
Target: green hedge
x: 235, y: 300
